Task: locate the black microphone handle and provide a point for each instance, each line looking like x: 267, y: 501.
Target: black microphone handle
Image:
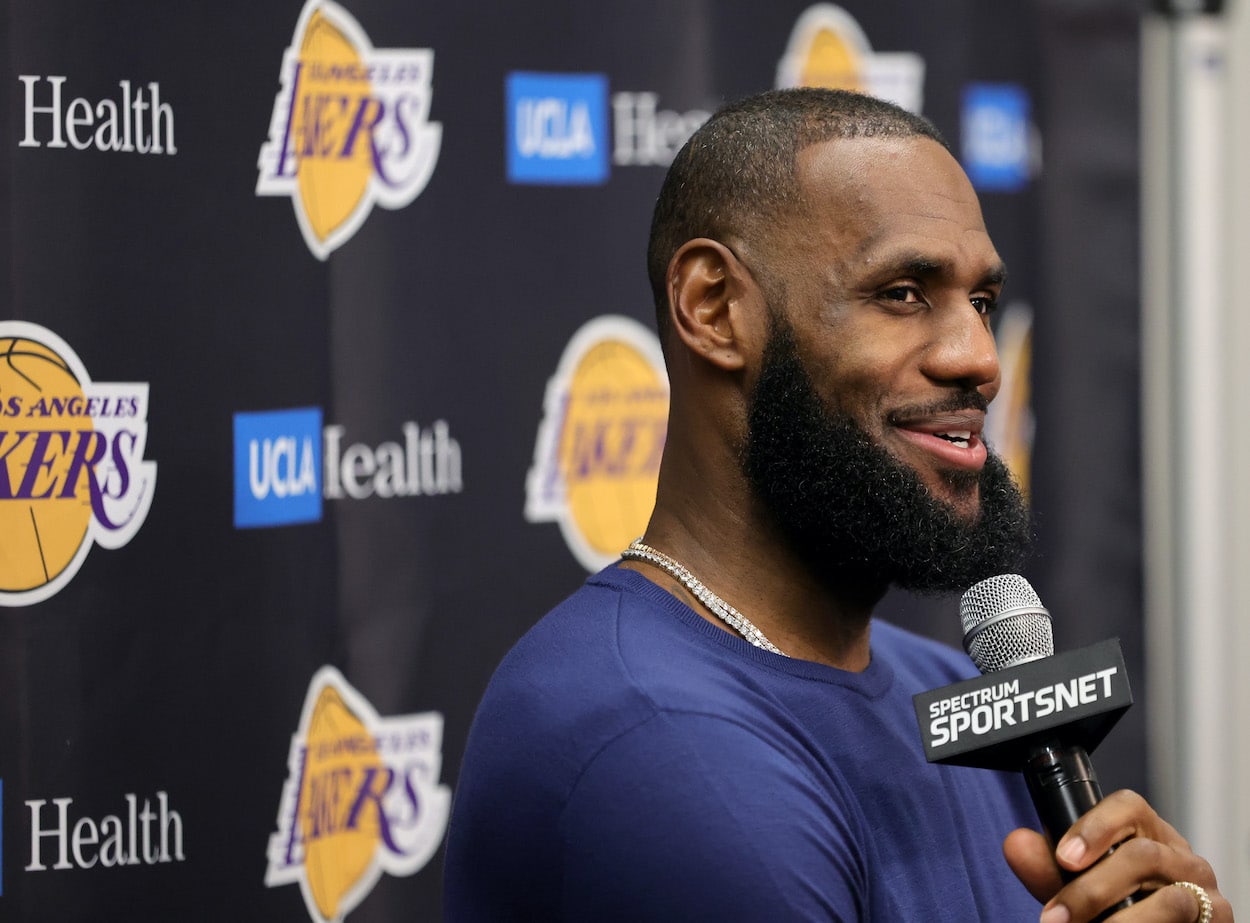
x: 1063, y: 785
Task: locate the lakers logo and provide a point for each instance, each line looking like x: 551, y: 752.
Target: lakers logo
x: 828, y: 48
x: 597, y: 458
x: 1009, y: 424
x: 350, y: 127
x: 362, y: 798
x: 72, y: 472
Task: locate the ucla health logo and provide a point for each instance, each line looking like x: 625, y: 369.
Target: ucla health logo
x: 148, y: 836
x: 72, y: 472
x: 362, y: 797
x: 557, y: 128
x: 995, y: 136
x: 597, y: 457
x: 350, y: 127
x: 135, y: 122
x: 286, y: 463
x: 277, y: 467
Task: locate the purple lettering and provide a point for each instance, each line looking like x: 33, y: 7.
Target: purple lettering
x: 324, y: 790
x: 38, y: 462
x: 318, y: 124
x: 295, y: 825
x: 363, y: 120
x: 6, y: 485
x: 285, y: 153
x: 366, y: 793
x: 405, y: 138
x: 99, y: 491
x: 88, y: 451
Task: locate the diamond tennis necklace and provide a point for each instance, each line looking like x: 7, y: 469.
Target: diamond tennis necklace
x: 637, y: 551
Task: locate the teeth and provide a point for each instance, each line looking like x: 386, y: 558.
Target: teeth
x: 960, y: 438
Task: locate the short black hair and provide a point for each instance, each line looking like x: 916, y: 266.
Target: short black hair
x: 739, y: 169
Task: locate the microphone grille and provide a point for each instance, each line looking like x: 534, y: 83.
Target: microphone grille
x: 1004, y: 623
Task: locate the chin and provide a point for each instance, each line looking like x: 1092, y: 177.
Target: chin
x: 963, y: 502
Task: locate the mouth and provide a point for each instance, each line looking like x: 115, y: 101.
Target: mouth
x: 950, y: 440
x: 961, y: 438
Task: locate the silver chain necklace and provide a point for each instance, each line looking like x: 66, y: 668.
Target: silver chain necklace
x: 718, y: 607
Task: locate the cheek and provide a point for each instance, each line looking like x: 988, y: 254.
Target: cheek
x: 861, y: 363
x: 862, y: 386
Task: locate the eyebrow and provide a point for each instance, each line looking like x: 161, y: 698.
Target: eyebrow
x: 926, y: 266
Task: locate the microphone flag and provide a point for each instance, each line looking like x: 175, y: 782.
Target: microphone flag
x: 993, y: 721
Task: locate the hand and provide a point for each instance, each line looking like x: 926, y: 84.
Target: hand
x: 1150, y: 856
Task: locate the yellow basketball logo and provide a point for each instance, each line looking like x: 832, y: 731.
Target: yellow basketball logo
x: 350, y: 127
x: 1009, y: 424
x: 828, y: 48
x: 72, y: 472
x: 330, y: 188
x: 341, y: 756
x: 362, y: 798
x: 597, y: 458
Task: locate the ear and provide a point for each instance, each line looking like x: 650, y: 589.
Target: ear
x: 709, y: 294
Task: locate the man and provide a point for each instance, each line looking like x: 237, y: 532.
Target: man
x: 716, y: 728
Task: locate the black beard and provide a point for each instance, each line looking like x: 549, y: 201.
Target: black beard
x: 859, y: 518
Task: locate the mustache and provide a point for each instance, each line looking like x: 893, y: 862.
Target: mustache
x: 954, y: 403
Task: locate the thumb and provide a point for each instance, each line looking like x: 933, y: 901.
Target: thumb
x: 1028, y: 855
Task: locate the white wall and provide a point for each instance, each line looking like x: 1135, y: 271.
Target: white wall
x: 1196, y: 330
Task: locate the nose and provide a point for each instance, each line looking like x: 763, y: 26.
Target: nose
x: 962, y: 350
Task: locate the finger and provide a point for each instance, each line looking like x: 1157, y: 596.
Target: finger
x: 1137, y: 864
x: 1169, y: 903
x: 1116, y: 818
x: 1028, y: 856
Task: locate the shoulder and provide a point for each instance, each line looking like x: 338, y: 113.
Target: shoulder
x: 601, y: 664
x: 917, y: 659
x: 616, y: 753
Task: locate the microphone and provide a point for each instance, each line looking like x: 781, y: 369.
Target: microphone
x: 1005, y: 624
x: 1005, y: 627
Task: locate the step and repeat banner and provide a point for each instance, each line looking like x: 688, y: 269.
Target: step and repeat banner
x: 327, y: 365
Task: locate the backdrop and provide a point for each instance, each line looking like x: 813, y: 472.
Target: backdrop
x: 328, y: 367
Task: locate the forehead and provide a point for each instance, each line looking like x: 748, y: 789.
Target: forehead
x: 869, y: 196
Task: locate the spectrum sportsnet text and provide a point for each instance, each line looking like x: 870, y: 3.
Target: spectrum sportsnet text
x: 981, y: 711
x: 988, y: 721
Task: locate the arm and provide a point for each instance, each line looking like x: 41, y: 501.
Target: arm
x: 1151, y: 856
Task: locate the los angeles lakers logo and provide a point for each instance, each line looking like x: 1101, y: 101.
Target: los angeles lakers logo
x: 350, y: 127
x: 72, y: 472
x: 362, y: 798
x: 597, y: 458
x: 1009, y: 423
x: 829, y: 49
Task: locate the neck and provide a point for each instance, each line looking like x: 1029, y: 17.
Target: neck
x: 752, y: 568
x: 708, y: 518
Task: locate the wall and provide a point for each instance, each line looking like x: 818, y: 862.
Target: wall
x: 352, y: 302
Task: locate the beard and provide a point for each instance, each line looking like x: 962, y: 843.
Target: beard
x: 854, y: 514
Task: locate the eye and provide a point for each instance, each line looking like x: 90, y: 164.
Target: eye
x: 904, y: 294
x: 985, y: 305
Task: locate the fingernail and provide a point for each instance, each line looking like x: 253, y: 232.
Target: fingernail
x: 1071, y: 851
x: 1056, y: 913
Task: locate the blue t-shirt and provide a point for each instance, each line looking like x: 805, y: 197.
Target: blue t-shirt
x: 631, y: 761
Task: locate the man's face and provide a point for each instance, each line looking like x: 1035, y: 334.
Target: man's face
x: 887, y: 278
x: 880, y: 353
x: 853, y: 511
